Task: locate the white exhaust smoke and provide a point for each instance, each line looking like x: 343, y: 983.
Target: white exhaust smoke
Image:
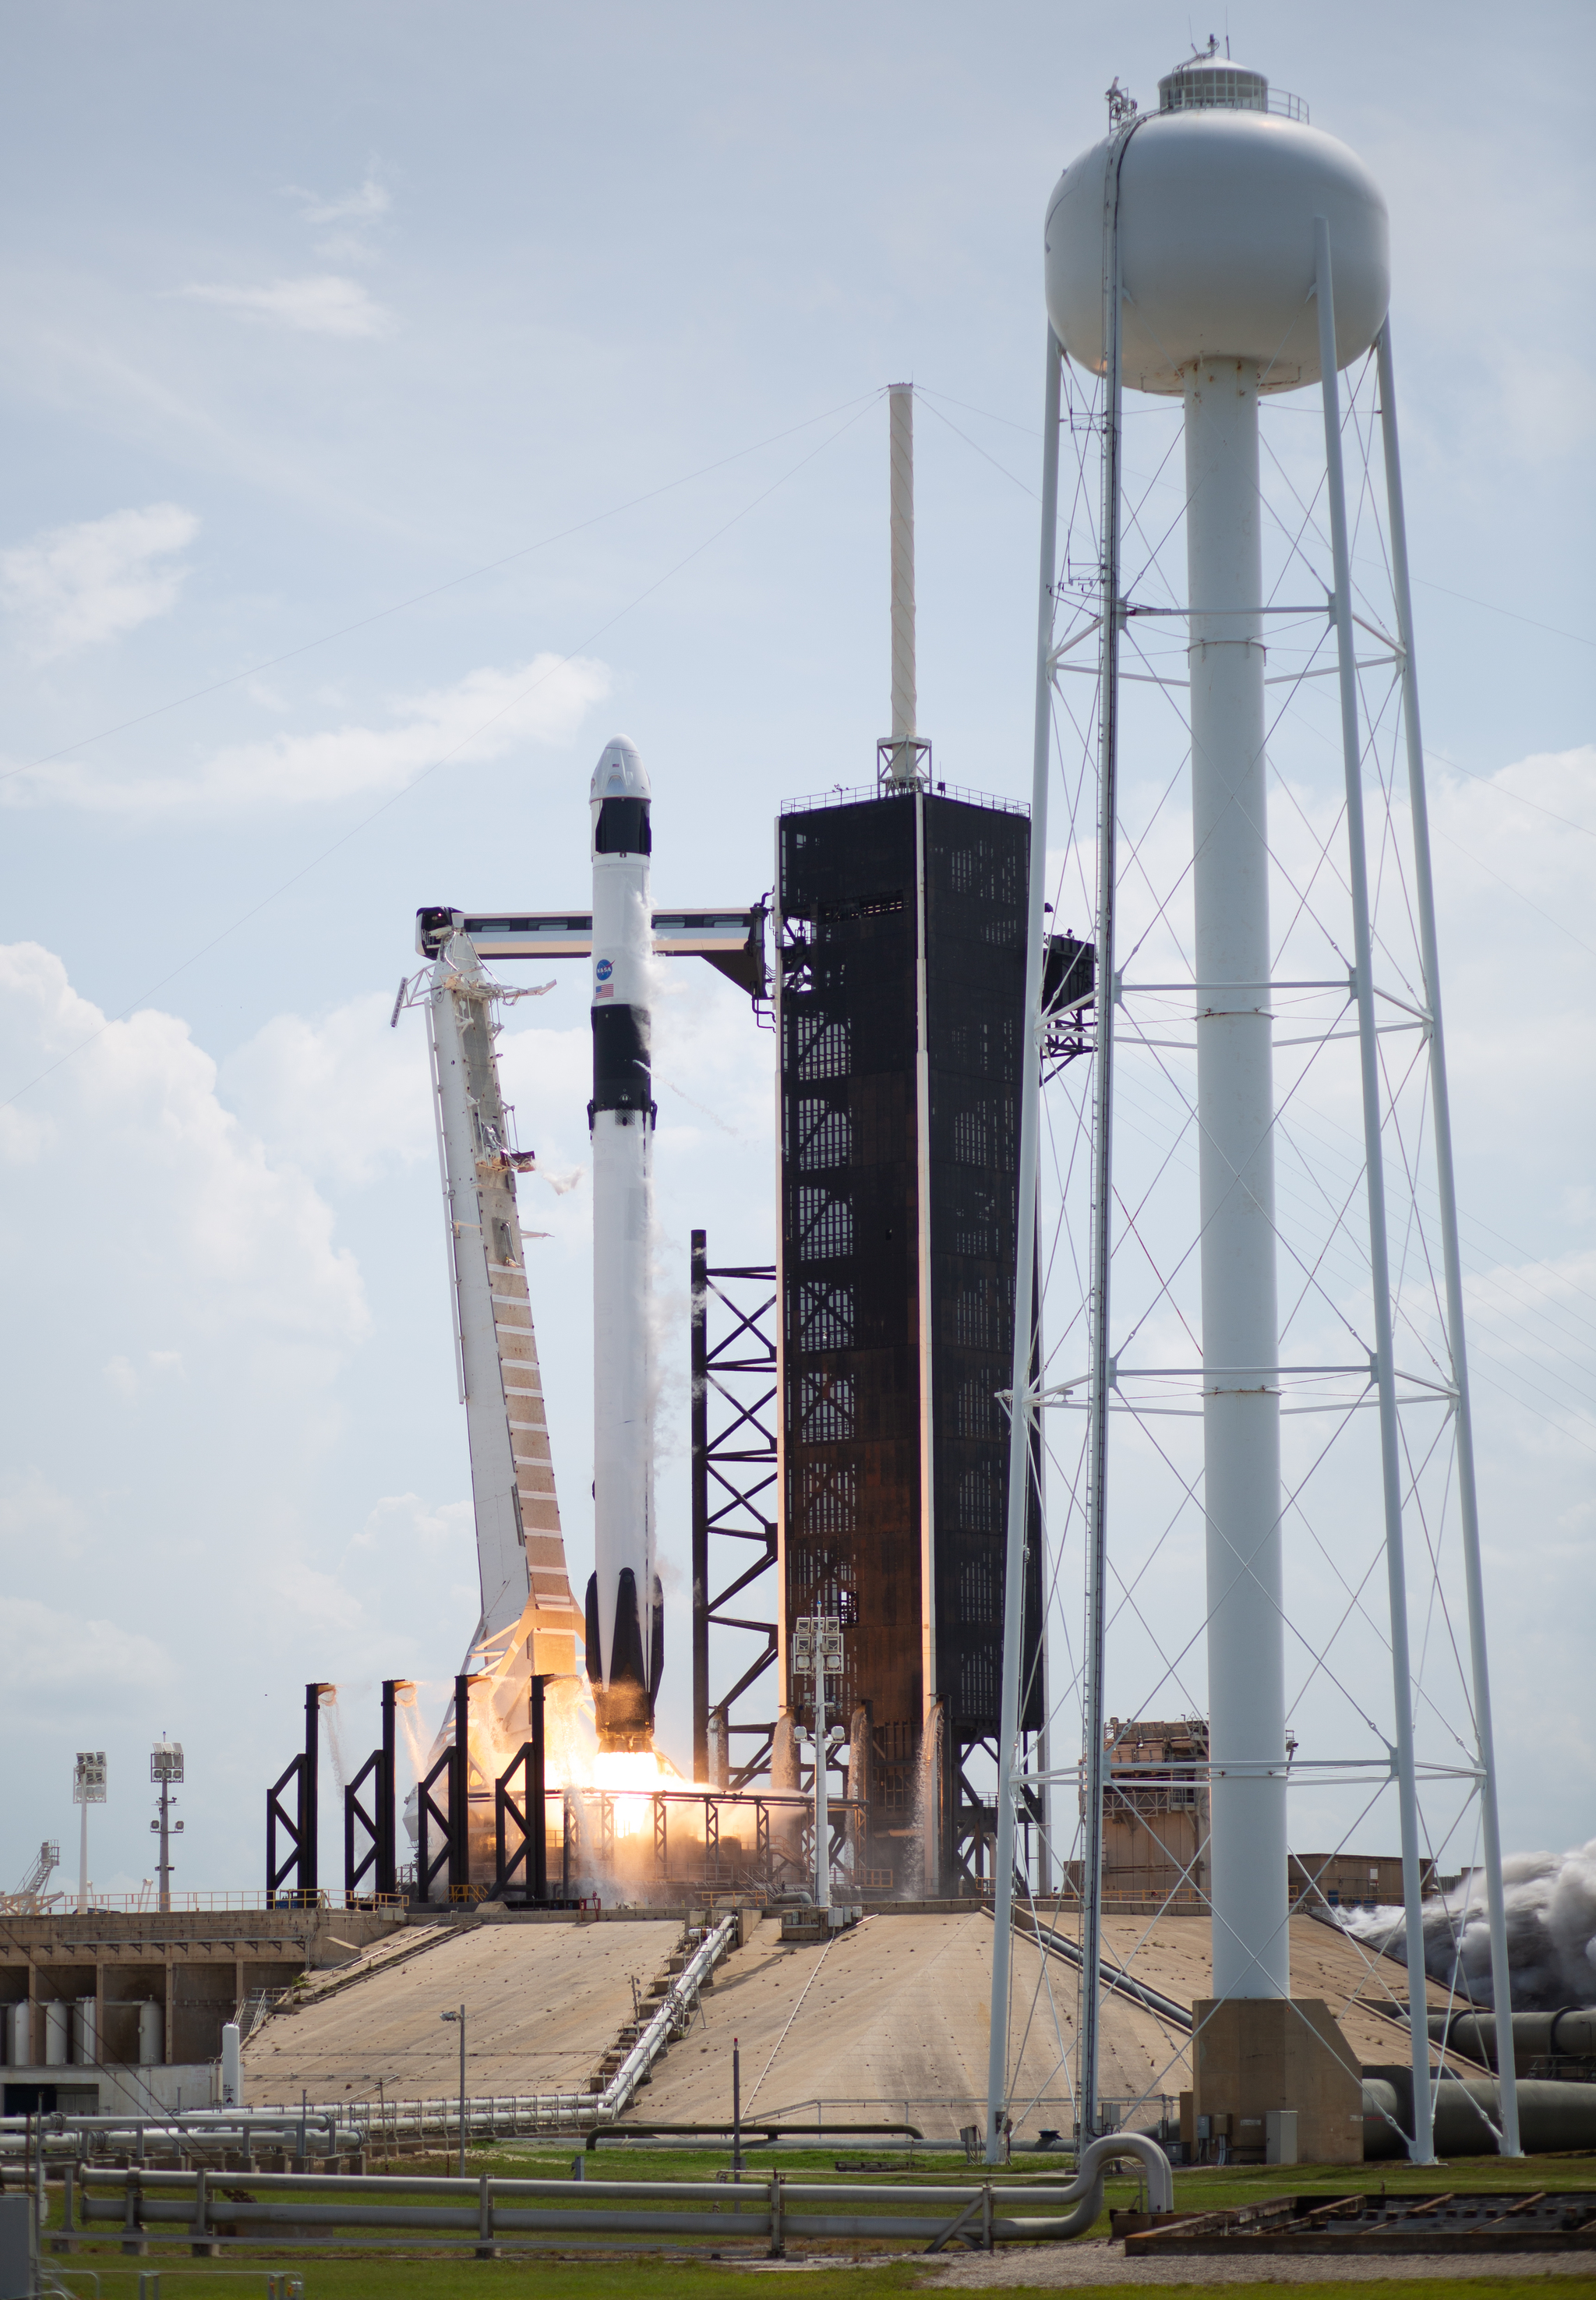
x: 1551, y: 1932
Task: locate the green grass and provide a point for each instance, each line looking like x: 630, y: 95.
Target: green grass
x: 409, y: 2278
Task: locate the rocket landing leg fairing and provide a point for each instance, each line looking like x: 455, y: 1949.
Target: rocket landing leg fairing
x: 625, y: 1609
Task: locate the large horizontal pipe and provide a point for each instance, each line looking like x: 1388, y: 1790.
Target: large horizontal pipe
x: 490, y: 2206
x: 179, y: 2187
x: 744, y: 2221
x: 397, y: 2184
x: 504, y: 2218
x: 1570, y: 2035
x: 750, y: 2127
x: 1468, y: 2115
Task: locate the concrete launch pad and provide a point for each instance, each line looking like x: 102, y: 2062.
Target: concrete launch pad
x: 888, y: 2021
x: 544, y: 2001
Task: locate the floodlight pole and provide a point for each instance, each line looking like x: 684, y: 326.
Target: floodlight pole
x: 80, y: 1791
x: 1021, y: 1407
x: 1422, y: 2146
x: 1446, y: 1185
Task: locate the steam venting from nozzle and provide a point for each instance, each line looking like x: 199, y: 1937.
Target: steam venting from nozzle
x: 1551, y: 1932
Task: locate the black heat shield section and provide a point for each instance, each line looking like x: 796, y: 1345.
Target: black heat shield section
x: 622, y: 1078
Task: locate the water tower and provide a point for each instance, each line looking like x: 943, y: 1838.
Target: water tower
x: 1213, y: 256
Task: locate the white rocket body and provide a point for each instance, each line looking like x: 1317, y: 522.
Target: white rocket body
x: 625, y: 1610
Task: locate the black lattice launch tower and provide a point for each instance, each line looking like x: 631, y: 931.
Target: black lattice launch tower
x: 901, y: 962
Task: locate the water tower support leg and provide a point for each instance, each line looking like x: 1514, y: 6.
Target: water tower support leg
x: 1021, y: 1415
x: 1422, y: 2147
x: 1446, y: 1187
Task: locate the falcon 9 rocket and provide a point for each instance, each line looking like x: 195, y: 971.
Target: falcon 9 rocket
x: 625, y: 1608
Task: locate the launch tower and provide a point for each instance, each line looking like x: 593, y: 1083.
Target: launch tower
x: 901, y: 933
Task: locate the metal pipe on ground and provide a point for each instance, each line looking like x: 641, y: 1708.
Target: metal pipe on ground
x: 763, y: 2131
x: 1567, y: 2035
x: 1468, y: 2114
x: 770, y: 2206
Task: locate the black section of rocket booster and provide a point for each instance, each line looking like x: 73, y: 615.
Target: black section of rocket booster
x: 625, y: 1650
x: 623, y: 1074
x: 595, y: 1651
x: 623, y: 1697
x: 625, y: 1657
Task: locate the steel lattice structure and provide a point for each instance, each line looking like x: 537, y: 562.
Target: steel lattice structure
x: 1382, y: 1608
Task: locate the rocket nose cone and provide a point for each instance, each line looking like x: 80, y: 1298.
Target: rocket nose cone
x: 619, y: 772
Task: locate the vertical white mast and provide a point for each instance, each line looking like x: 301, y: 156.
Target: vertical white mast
x: 900, y: 756
x: 900, y: 408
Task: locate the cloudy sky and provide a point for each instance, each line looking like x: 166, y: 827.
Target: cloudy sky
x: 399, y: 403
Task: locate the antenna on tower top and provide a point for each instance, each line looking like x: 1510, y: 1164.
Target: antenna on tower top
x: 903, y: 759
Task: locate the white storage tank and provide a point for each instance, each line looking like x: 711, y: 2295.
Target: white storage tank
x: 232, y: 2077
x: 58, y: 2034
x: 16, y: 2038
x: 86, y: 2032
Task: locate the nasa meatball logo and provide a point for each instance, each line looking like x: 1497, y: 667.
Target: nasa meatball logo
x: 605, y: 970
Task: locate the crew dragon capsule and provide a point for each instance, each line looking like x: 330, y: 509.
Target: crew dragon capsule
x: 625, y: 1607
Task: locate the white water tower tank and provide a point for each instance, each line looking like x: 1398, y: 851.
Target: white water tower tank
x: 1218, y: 190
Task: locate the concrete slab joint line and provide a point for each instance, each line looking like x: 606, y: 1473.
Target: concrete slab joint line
x: 791, y: 2016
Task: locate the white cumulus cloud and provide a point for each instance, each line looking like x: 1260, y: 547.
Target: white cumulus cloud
x: 195, y: 1232
x: 47, y: 1653
x: 346, y: 1097
x: 76, y: 586
x: 368, y: 201
x: 322, y: 303
x: 480, y: 717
